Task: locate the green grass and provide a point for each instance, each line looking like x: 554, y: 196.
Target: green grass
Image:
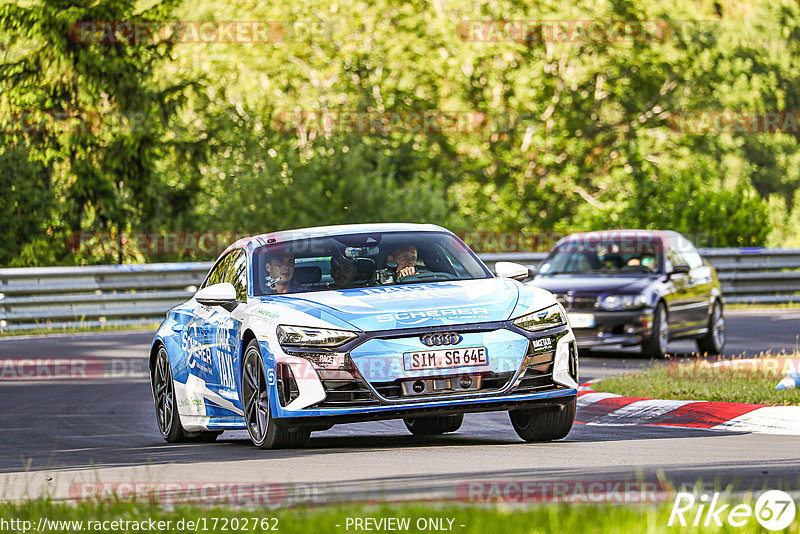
x: 698, y: 380
x: 772, y: 306
x: 555, y: 518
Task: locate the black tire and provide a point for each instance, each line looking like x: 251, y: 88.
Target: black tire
x: 169, y: 422
x: 539, y: 425
x: 714, y: 340
x: 264, y: 431
x: 430, y: 426
x: 655, y: 346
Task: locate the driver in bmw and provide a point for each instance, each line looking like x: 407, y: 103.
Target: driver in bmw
x: 405, y: 256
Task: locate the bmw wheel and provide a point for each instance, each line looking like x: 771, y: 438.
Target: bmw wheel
x: 714, y: 340
x: 265, y: 432
x: 656, y: 345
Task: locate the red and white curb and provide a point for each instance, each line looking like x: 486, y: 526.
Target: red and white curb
x: 610, y: 409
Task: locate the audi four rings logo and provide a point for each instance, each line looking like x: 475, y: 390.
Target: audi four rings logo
x: 447, y: 338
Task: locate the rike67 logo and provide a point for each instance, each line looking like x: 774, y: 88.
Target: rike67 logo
x: 774, y: 510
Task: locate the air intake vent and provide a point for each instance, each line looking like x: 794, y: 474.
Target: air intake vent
x: 287, y: 385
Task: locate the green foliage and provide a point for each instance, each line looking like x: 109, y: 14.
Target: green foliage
x: 104, y: 116
x: 692, y: 201
x: 568, y: 135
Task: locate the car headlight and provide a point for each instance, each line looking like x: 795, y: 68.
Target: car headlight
x: 549, y: 317
x: 619, y: 302
x: 296, y: 336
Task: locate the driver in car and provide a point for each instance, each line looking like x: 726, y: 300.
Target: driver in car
x: 647, y: 261
x: 280, y: 268
x: 405, y: 256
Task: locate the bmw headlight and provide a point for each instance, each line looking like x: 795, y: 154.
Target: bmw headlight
x: 550, y: 317
x: 296, y: 336
x: 621, y: 302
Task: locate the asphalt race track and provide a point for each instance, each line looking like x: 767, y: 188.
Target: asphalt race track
x: 55, y: 432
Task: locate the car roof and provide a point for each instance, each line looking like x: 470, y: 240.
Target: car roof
x: 253, y: 242
x: 666, y: 237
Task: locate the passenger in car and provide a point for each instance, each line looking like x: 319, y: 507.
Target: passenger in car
x: 343, y: 272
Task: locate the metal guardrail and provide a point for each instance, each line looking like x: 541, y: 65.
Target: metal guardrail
x: 122, y: 295
x: 118, y: 295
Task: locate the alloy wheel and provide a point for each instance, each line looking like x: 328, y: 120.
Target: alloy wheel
x: 256, y: 398
x: 162, y: 390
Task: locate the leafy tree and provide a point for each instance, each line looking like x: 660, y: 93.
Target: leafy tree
x: 106, y: 114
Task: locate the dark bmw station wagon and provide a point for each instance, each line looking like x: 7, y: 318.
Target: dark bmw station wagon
x: 635, y: 287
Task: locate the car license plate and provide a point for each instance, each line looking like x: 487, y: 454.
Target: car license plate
x: 445, y: 358
x: 581, y: 320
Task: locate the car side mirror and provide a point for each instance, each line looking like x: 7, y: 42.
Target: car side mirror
x: 507, y: 269
x: 680, y: 268
x: 223, y: 294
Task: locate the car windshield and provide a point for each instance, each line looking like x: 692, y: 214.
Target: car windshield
x: 620, y: 256
x: 362, y: 260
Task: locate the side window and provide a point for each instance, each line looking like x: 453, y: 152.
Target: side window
x: 237, y: 274
x: 217, y: 274
x: 673, y: 256
x: 690, y: 253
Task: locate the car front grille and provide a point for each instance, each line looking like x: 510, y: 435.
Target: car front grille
x: 354, y: 392
x: 577, y: 303
x: 489, y: 382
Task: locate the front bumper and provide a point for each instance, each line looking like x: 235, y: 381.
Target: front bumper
x: 616, y: 328
x: 525, y: 369
x: 552, y: 400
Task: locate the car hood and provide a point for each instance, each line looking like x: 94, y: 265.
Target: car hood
x: 593, y: 285
x: 412, y: 305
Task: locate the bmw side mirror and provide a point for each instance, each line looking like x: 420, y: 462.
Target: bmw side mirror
x: 679, y: 268
x: 223, y: 294
x: 507, y: 269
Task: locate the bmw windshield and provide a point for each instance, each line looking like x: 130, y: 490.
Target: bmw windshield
x: 643, y: 256
x: 362, y: 260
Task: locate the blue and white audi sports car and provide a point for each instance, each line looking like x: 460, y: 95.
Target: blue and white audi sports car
x: 296, y: 331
